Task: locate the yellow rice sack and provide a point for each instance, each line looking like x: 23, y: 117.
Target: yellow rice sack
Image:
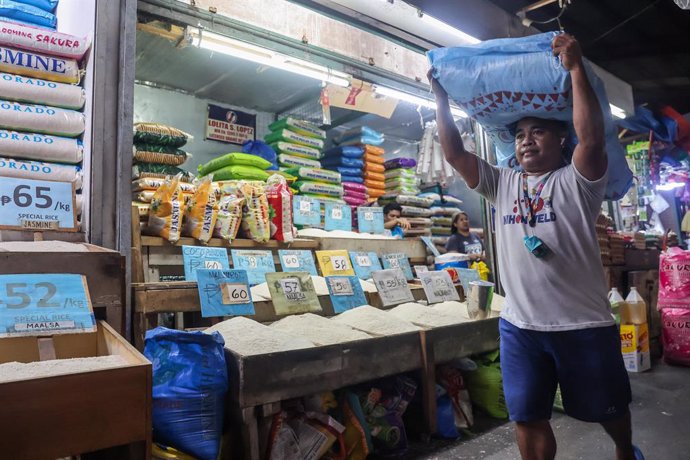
x: 229, y: 217
x: 165, y: 214
x: 201, y: 212
x: 255, y: 220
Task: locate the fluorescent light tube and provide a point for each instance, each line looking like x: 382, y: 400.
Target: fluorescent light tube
x: 225, y: 45
x: 617, y: 111
x: 416, y: 100
x: 440, y: 25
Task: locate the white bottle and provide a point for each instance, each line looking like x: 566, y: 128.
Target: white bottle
x: 635, y: 311
x: 617, y: 302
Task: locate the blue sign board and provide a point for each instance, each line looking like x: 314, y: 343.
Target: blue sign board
x: 466, y: 276
x: 297, y: 261
x: 346, y: 293
x: 306, y: 211
x: 364, y: 263
x: 370, y: 220
x: 37, y: 205
x: 202, y: 257
x: 338, y: 217
x: 44, y: 304
x: 256, y: 263
x: 398, y: 260
x: 224, y: 293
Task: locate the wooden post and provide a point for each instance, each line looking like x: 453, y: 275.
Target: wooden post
x: 428, y: 383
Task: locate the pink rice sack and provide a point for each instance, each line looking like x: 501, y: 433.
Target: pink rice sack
x: 354, y: 187
x: 675, y: 335
x: 674, y: 279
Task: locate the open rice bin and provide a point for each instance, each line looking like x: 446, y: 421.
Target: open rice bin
x: 66, y: 414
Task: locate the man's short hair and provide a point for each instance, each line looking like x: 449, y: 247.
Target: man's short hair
x: 391, y: 207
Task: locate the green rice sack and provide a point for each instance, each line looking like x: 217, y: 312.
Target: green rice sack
x: 298, y: 126
x: 297, y: 150
x: 319, y: 188
x: 285, y: 135
x: 400, y: 172
x: 234, y: 159
x: 240, y: 172
x: 316, y: 174
x: 290, y: 161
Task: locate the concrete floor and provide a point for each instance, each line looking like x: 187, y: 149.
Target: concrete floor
x: 661, y: 427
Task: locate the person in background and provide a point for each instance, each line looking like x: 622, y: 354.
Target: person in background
x: 393, y: 221
x: 556, y: 326
x: 464, y: 241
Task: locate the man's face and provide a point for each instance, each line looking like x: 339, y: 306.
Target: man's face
x: 392, y: 215
x: 463, y: 223
x: 538, y: 145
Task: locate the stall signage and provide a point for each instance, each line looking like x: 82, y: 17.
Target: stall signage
x: 335, y: 263
x: 256, y: 263
x: 365, y: 263
x: 438, y: 286
x: 338, y: 217
x: 392, y: 286
x: 297, y: 261
x: 230, y: 126
x: 346, y: 293
x: 224, y: 293
x: 292, y: 293
x: 202, y: 257
x: 45, y: 304
x: 398, y: 260
x: 37, y: 205
x: 306, y: 211
x: 419, y: 269
x: 370, y: 220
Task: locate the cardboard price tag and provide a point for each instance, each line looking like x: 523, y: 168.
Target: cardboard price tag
x: 338, y: 217
x: 292, y: 293
x: 256, y: 263
x: 346, y: 292
x: 392, y: 286
x: 335, y: 263
x: 370, y: 220
x: 419, y: 269
x: 297, y: 261
x: 42, y: 304
x: 224, y: 293
x: 306, y: 211
x: 438, y: 286
x: 398, y: 260
x: 199, y: 257
x: 365, y: 263
x: 37, y: 205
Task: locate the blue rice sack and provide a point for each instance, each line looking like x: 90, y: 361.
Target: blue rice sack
x: 342, y: 161
x: 45, y: 5
x: 360, y: 131
x: 344, y: 151
x: 499, y: 82
x: 27, y: 14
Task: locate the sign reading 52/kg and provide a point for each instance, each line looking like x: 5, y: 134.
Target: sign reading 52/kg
x: 37, y: 205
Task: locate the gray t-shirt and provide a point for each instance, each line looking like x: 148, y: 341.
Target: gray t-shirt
x: 567, y: 289
x: 470, y: 244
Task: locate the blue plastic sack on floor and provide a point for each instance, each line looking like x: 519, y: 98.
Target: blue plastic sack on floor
x: 45, y: 5
x: 499, y: 82
x: 190, y: 380
x: 29, y: 14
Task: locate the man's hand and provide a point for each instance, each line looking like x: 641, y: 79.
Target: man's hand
x: 439, y: 92
x: 568, y: 50
x: 404, y: 223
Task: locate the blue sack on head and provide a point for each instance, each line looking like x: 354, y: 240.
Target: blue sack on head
x: 45, y: 5
x: 190, y: 380
x: 499, y: 82
x: 263, y: 150
x: 25, y: 13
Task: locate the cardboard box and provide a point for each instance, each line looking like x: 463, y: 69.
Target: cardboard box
x: 635, y: 347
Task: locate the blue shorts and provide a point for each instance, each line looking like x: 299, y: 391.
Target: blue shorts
x: 586, y: 363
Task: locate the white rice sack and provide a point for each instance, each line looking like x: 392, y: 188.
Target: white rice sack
x: 43, y: 41
x: 36, y: 170
x: 41, y: 119
x: 374, y: 321
x: 37, y: 91
x: 423, y: 315
x: 40, y: 147
x: 248, y: 337
x: 38, y: 65
x: 318, y: 329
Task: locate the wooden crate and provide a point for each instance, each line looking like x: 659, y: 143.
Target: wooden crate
x: 64, y: 415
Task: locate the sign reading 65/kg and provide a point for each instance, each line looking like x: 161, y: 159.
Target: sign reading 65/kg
x: 37, y: 205
x: 23, y: 197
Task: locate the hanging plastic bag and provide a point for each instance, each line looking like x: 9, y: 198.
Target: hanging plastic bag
x: 190, y: 381
x: 482, y: 268
x: 499, y: 82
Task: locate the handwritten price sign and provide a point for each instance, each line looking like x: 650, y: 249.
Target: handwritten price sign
x: 370, y: 220
x: 292, y: 260
x: 438, y: 286
x: 335, y: 263
x: 392, y: 286
x: 292, y: 293
x: 338, y: 217
x: 256, y: 263
x: 306, y: 211
x: 346, y: 292
x: 200, y: 257
x: 398, y: 260
x: 37, y: 205
x: 224, y: 293
x: 365, y: 263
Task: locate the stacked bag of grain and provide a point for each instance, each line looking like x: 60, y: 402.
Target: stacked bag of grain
x: 41, y: 122
x: 347, y: 161
x: 444, y: 209
x: 415, y: 209
x: 297, y: 143
x: 401, y: 177
x: 370, y: 159
x: 236, y: 166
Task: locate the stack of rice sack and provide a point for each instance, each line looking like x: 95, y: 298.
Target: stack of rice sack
x: 415, y: 209
x: 236, y: 166
x: 369, y: 160
x: 297, y: 143
x: 41, y: 122
x: 157, y: 156
x: 443, y: 211
x: 401, y: 177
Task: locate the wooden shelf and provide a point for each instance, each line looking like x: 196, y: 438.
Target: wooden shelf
x: 156, y: 241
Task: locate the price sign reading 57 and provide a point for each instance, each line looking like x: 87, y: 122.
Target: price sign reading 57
x: 37, y: 205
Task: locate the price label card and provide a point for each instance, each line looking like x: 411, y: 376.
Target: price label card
x: 419, y: 269
x: 306, y: 211
x: 224, y: 293
x: 398, y: 260
x: 438, y: 286
x: 297, y: 261
x: 45, y: 304
x: 256, y: 263
x: 467, y: 275
x: 37, y: 205
x: 200, y: 257
x: 370, y: 220
x: 335, y: 263
x: 338, y: 217
x: 364, y: 263
x: 392, y: 286
x: 346, y: 292
x: 292, y: 293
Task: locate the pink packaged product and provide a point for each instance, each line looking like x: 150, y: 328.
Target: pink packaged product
x: 674, y: 279
x: 43, y: 41
x: 356, y: 195
x: 354, y: 201
x: 675, y: 335
x: 355, y: 187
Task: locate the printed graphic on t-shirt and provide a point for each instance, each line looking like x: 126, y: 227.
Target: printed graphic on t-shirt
x: 544, y: 212
x: 473, y: 248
